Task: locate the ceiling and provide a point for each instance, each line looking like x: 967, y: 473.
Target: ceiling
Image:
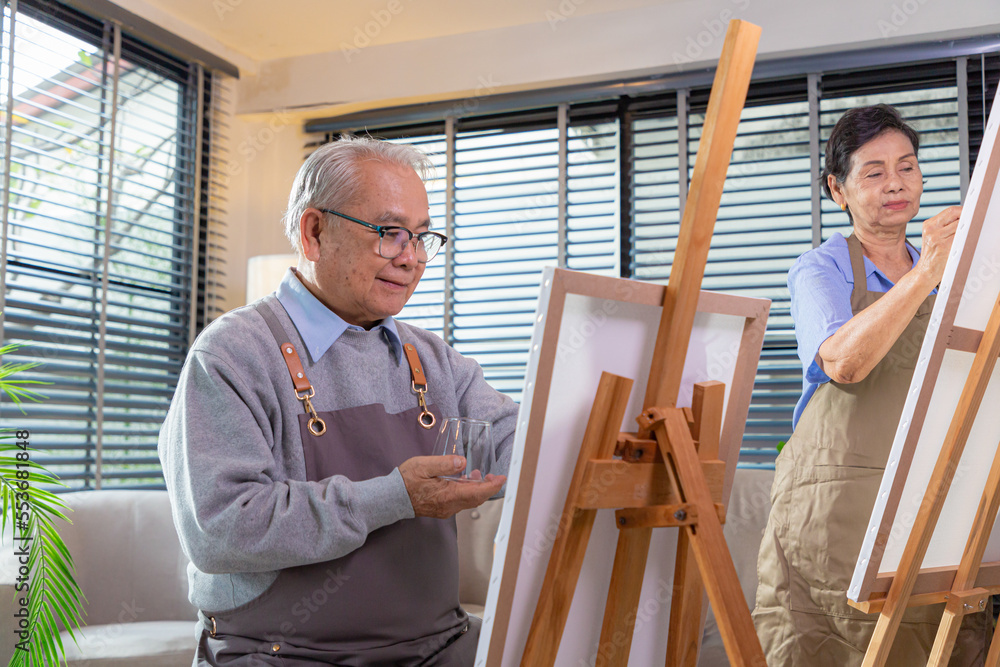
x: 267, y: 30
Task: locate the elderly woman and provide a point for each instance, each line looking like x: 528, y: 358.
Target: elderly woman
x: 861, y: 307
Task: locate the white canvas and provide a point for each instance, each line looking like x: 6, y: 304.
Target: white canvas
x: 595, y: 335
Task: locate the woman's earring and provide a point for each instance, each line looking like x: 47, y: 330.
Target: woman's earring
x: 843, y: 207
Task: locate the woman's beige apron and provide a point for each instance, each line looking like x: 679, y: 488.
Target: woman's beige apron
x: 826, y: 480
x: 392, y: 602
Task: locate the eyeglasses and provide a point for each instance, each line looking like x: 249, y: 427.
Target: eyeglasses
x: 392, y: 240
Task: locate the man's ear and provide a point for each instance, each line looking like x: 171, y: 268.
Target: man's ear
x: 311, y: 226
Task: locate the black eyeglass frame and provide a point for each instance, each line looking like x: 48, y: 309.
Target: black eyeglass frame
x: 382, y: 229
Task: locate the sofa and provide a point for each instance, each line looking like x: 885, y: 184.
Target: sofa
x: 132, y: 571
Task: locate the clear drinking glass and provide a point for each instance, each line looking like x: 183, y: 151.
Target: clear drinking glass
x: 472, y: 439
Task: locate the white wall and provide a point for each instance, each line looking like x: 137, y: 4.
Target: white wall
x: 265, y: 152
x: 561, y: 48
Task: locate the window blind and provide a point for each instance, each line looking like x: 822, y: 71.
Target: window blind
x: 601, y: 187
x: 103, y: 242
x: 592, y: 175
x: 425, y: 308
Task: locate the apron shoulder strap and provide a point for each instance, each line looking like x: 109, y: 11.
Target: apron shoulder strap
x: 278, y: 331
x: 288, y: 352
x: 858, y: 268
x: 303, y: 388
x: 419, y: 385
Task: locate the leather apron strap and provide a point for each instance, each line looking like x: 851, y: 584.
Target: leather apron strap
x: 304, y: 390
x: 419, y: 384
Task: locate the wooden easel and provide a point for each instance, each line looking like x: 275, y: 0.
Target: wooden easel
x: 963, y: 597
x: 662, y: 478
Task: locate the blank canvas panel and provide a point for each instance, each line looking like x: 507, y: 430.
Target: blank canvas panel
x: 968, y: 291
x: 586, y: 325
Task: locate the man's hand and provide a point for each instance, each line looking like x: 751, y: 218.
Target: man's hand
x: 442, y: 498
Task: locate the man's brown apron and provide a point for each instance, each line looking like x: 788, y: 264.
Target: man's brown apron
x: 393, y: 601
x: 826, y: 480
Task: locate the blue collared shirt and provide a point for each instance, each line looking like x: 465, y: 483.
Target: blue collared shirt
x: 319, y: 326
x: 820, y: 283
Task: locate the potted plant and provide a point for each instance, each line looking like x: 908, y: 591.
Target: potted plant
x: 45, y: 591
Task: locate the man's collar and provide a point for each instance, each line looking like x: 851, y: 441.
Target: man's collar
x: 319, y: 326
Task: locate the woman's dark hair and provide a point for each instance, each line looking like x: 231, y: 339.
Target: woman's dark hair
x: 856, y: 128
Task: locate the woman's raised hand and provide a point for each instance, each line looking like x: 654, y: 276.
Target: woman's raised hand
x: 938, y: 235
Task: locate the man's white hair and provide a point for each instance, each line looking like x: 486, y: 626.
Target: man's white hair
x: 331, y: 176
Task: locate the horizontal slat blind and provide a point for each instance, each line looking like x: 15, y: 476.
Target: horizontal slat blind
x: 506, y: 205
x: 983, y: 74
x: 764, y: 223
x: 213, y: 235
x: 95, y: 133
x: 506, y: 231
x: 425, y: 308
x: 655, y: 199
x: 592, y: 197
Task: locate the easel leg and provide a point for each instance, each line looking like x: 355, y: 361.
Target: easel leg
x: 570, y: 547
x: 687, y: 611
x: 944, y: 641
x: 684, y: 639
x: 709, y: 545
x: 623, y: 597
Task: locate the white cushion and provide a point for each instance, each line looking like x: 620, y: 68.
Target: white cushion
x: 477, y: 528
x: 150, y: 644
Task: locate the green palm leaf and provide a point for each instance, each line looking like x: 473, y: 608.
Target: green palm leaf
x: 53, y: 595
x: 16, y: 389
x: 53, y: 591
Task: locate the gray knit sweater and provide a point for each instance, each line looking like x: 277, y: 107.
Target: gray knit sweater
x: 232, y: 453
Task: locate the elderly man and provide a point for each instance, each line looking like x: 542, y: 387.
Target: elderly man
x: 298, y: 451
